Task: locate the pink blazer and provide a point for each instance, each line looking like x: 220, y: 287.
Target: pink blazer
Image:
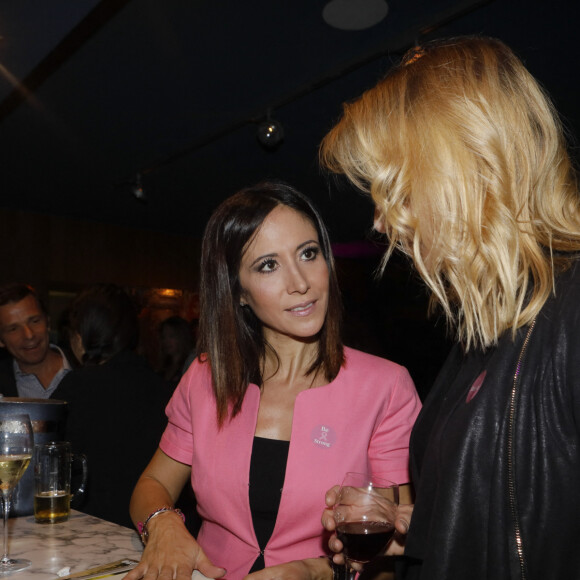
x: 360, y: 421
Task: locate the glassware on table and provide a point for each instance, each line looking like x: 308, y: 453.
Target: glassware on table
x: 365, y: 513
x: 52, y: 481
x: 16, y: 444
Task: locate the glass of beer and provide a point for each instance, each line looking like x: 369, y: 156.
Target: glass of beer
x: 52, y: 481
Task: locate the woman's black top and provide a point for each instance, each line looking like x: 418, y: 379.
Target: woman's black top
x: 267, y: 472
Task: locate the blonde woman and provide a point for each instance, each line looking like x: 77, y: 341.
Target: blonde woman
x: 465, y: 159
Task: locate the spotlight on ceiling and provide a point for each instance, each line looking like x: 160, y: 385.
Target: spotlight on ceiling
x: 137, y: 189
x: 270, y: 133
x: 354, y: 14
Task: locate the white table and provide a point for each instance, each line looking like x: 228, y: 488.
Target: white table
x: 80, y: 543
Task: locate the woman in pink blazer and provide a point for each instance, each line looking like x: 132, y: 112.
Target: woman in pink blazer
x: 274, y: 411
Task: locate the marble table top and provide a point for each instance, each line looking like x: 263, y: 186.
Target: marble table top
x: 80, y: 543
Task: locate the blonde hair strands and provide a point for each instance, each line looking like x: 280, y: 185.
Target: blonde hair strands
x: 465, y: 158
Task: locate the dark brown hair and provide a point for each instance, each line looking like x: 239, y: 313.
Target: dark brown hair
x: 17, y: 291
x: 230, y: 336
x: 105, y: 317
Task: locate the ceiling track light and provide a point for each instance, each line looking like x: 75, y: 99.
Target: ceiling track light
x: 270, y: 133
x: 137, y: 188
x: 133, y: 186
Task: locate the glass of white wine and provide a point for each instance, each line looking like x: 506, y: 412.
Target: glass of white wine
x: 16, y: 445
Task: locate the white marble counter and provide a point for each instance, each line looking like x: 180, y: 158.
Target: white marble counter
x: 80, y: 543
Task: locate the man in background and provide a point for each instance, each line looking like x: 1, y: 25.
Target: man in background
x: 35, y: 367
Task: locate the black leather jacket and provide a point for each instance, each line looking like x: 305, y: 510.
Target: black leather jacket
x: 497, y: 469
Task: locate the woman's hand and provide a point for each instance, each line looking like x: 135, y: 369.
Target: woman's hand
x: 172, y: 553
x: 402, y: 523
x: 310, y: 569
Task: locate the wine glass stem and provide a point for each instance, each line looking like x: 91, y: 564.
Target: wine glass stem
x: 6, y: 501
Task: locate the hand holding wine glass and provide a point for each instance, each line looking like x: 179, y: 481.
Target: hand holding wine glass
x: 365, y: 514
x: 16, y: 444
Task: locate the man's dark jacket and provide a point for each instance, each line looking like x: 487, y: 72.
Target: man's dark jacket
x: 7, y: 379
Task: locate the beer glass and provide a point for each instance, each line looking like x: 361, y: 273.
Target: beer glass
x: 52, y: 481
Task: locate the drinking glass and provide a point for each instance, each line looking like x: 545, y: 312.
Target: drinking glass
x: 52, y: 481
x: 16, y: 444
x: 365, y: 513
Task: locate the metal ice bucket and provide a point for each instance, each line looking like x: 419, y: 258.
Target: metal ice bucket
x: 48, y: 421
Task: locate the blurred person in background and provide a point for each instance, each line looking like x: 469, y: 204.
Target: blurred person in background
x: 176, y: 349
x: 35, y: 367
x: 116, y: 402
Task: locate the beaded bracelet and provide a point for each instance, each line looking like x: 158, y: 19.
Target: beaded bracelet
x: 142, y: 526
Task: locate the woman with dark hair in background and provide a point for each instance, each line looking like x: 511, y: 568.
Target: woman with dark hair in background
x: 274, y: 408
x: 115, y: 401
x: 466, y: 161
x: 176, y: 349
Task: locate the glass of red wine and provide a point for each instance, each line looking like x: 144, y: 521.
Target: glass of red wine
x: 365, y: 513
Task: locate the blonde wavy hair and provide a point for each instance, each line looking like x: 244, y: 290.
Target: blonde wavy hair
x: 466, y: 161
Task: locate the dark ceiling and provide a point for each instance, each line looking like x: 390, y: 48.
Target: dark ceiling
x: 93, y: 93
